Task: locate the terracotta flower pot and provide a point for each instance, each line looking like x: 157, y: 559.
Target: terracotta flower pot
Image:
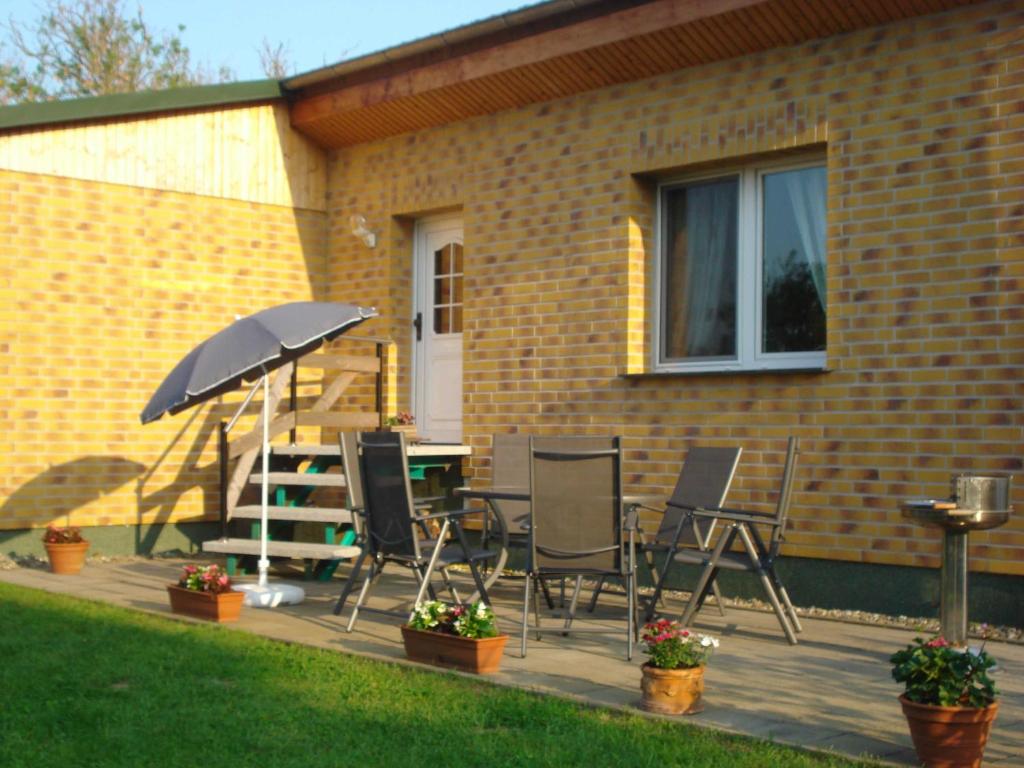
x: 672, y: 691
x: 480, y: 656
x: 949, y: 737
x: 66, y: 559
x: 220, y: 606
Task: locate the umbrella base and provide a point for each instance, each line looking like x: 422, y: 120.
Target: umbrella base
x: 271, y: 595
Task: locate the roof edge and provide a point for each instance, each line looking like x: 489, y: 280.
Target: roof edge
x: 143, y: 102
x: 509, y: 20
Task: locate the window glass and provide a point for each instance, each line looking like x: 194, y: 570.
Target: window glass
x: 793, y: 258
x: 700, y: 270
x: 448, y: 289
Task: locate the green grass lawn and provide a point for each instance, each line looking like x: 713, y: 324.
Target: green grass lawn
x: 87, y: 684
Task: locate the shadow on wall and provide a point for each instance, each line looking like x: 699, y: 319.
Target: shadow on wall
x: 56, y: 493
x: 61, y: 489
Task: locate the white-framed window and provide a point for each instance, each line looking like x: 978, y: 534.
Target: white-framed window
x: 740, y: 275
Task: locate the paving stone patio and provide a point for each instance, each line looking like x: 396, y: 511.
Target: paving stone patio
x: 830, y: 692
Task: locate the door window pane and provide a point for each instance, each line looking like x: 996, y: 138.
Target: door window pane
x: 701, y: 232
x: 793, y: 266
x: 448, y: 289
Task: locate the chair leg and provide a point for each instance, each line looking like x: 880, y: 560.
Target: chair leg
x: 450, y: 586
x: 597, y: 593
x: 707, y: 578
x: 784, y: 597
x: 571, y: 613
x: 370, y: 576
x: 718, y: 598
x: 630, y: 598
x: 350, y: 583
x: 766, y: 584
x: 547, y: 593
x: 658, y: 587
x: 526, y: 614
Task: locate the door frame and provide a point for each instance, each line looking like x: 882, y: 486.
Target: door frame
x: 422, y: 225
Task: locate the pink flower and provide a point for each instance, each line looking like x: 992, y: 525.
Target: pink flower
x: 938, y: 642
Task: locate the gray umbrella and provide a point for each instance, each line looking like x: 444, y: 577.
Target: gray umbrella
x: 247, y: 349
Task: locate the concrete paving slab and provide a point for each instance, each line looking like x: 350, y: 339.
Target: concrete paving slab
x: 831, y: 692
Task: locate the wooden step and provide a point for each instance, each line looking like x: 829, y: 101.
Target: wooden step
x: 306, y: 450
x: 294, y: 549
x: 330, y: 479
x: 295, y: 514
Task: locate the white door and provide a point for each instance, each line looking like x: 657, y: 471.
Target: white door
x: 437, y: 332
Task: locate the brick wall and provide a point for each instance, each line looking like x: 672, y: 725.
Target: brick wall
x: 103, y: 288
x: 924, y: 132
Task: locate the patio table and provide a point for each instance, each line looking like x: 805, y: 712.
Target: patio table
x: 521, y: 523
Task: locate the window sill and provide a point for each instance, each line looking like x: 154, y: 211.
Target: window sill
x: 726, y: 372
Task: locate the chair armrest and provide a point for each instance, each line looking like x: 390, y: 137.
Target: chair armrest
x: 427, y: 499
x: 737, y: 516
x: 648, y: 507
x: 449, y: 513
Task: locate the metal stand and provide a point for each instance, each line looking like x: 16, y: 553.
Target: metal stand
x: 953, y: 601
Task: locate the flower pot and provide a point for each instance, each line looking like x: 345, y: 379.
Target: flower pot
x: 949, y: 737
x: 672, y: 691
x: 480, y: 656
x: 408, y: 429
x: 66, y: 559
x: 219, y: 606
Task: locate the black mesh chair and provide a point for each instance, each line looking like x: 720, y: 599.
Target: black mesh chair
x: 754, y: 556
x: 576, y: 525
x: 393, y: 530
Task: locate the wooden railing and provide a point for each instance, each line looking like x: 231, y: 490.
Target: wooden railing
x: 339, y: 372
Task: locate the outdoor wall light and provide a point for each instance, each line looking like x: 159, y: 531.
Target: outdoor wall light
x: 362, y: 230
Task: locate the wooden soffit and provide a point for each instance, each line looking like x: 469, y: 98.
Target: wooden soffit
x: 556, y: 49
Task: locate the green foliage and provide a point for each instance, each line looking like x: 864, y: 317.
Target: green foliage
x: 56, y: 535
x: 474, y: 621
x: 204, y: 578
x: 672, y: 647
x: 935, y: 672
x: 92, y: 48
x: 120, y: 689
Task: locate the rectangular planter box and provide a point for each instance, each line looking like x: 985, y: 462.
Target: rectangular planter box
x: 478, y: 656
x: 220, y: 607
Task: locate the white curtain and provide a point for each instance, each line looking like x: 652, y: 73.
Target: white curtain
x: 709, y: 277
x: 807, y: 193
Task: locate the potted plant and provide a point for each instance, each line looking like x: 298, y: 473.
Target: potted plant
x: 402, y: 422
x: 461, y: 636
x: 205, y: 592
x: 949, y: 701
x: 66, y: 549
x: 673, y: 677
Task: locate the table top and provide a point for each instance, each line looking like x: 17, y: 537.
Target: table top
x: 520, y: 493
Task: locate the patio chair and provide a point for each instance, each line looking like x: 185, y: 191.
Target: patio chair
x: 577, y: 526
x: 754, y: 557
x: 395, y: 530
x: 703, y: 482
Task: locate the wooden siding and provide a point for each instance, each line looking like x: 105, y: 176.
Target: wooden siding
x: 619, y: 47
x: 248, y: 153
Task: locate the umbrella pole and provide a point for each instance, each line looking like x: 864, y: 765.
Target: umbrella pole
x: 264, y: 563
x: 262, y: 594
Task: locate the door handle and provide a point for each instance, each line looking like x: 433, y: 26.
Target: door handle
x: 418, y: 325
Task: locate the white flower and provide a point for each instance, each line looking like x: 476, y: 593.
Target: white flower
x: 707, y: 641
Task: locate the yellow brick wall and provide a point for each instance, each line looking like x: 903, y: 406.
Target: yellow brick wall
x: 924, y: 135
x: 103, y: 288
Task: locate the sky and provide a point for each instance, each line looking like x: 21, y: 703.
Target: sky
x: 315, y: 32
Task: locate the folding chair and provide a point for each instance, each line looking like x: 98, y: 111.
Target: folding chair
x: 754, y: 557
x: 394, y: 531
x: 703, y: 482
x: 576, y: 525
